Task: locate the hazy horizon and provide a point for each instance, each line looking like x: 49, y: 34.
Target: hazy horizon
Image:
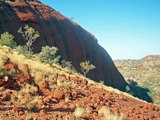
x: 127, y: 29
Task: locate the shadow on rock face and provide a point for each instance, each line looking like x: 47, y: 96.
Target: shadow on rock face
x: 138, y: 91
x: 74, y: 43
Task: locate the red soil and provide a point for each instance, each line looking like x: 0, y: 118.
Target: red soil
x: 62, y: 102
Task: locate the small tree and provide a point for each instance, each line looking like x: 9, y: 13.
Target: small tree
x: 30, y: 35
x: 48, y: 55
x: 7, y: 39
x: 86, y: 67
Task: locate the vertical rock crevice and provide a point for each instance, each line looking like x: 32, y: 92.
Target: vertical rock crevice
x: 74, y: 43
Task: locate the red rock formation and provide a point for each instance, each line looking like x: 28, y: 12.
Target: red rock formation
x: 74, y: 43
x: 151, y: 57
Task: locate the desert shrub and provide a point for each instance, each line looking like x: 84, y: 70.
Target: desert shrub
x: 26, y: 97
x: 66, y: 85
x: 68, y: 65
x: 3, y: 58
x: 23, y: 50
x: 48, y: 55
x: 7, y: 39
x: 108, y: 115
x: 79, y: 111
x: 86, y: 67
x: 30, y: 35
x: 153, y: 84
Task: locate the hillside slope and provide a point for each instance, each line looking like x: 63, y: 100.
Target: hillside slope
x: 30, y: 89
x: 145, y: 72
x: 74, y: 43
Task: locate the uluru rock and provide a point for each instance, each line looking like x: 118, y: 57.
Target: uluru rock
x: 74, y: 43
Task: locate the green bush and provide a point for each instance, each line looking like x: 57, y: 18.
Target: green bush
x: 48, y: 55
x: 7, y: 39
x: 23, y: 50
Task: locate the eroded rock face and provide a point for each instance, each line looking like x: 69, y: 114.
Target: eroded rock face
x: 74, y: 43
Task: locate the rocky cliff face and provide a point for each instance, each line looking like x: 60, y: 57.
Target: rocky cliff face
x: 74, y: 43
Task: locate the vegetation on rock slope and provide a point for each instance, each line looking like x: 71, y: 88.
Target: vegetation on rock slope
x: 73, y: 42
x: 144, y: 73
x: 23, y: 88
x: 30, y: 89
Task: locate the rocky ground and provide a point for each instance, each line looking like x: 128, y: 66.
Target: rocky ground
x: 67, y: 97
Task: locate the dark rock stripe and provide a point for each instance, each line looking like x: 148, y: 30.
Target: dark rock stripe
x: 74, y: 43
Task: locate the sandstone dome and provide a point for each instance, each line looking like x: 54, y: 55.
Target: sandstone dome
x: 75, y: 44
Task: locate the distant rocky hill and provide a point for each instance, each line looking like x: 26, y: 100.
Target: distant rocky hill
x: 74, y: 43
x: 149, y: 57
x: 146, y: 72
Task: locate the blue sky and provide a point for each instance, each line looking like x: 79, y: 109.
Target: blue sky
x: 127, y: 29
